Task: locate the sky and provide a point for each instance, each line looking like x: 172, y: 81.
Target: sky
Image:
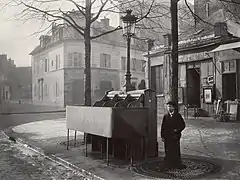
x: 17, y: 38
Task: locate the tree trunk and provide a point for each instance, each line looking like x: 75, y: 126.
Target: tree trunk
x: 174, y: 65
x: 87, y: 69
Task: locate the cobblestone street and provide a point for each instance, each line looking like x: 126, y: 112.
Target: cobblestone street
x: 20, y: 163
x: 210, y: 150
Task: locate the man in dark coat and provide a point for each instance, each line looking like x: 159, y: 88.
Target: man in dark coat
x: 172, y: 126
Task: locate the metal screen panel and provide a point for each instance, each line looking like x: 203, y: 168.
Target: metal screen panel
x: 92, y: 120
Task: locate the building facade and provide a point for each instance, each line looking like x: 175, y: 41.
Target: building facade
x: 8, y: 80
x: 24, y: 78
x: 58, y: 65
x: 208, y: 64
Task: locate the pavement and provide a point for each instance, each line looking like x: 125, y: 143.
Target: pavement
x: 14, y: 107
x: 203, y: 138
x: 19, y: 162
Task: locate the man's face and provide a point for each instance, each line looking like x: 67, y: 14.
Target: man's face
x: 170, y: 108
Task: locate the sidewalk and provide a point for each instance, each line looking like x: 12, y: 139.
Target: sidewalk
x: 26, y: 108
x: 215, y: 142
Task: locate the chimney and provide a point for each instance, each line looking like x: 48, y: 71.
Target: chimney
x: 167, y: 40
x: 220, y: 29
x: 3, y: 57
x: 44, y: 40
x: 54, y: 27
x: 105, y: 21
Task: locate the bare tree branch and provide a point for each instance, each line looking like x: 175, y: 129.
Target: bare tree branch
x: 231, y: 1
x: 99, y: 12
x: 79, y: 7
x: 107, y: 32
x: 195, y: 15
x: 73, y: 23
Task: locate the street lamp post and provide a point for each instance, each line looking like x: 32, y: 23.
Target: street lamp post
x: 150, y: 44
x: 129, y: 22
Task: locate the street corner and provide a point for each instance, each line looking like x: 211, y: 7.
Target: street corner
x: 42, y: 134
x: 42, y: 129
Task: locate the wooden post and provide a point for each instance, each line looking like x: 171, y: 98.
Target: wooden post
x: 75, y: 138
x: 107, y: 151
x: 85, y: 137
x: 67, y: 138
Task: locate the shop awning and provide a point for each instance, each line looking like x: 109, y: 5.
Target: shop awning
x: 224, y: 47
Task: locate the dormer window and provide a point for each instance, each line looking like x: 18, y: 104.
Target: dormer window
x: 207, y: 9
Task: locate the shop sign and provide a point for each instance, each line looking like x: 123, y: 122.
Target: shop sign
x: 210, y: 80
x: 193, y: 57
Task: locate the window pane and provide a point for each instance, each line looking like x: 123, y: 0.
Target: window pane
x: 232, y: 65
x: 105, y: 60
x: 46, y: 65
x: 102, y: 63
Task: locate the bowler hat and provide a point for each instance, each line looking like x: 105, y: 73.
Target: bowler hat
x: 172, y: 103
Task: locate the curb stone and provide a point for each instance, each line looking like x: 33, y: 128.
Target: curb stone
x: 58, y: 160
x: 32, y: 112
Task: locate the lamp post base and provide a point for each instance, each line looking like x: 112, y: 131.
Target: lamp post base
x: 129, y: 86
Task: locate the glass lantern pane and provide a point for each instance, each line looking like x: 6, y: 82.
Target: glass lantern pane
x: 123, y: 28
x: 129, y: 27
x: 133, y: 28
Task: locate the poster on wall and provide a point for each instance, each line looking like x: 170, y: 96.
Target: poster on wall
x: 208, y: 95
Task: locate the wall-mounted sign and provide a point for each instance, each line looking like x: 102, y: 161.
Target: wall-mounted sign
x: 210, y: 79
x: 193, y: 57
x: 207, y: 93
x: 227, y: 55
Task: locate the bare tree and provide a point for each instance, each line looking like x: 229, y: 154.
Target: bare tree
x: 57, y: 11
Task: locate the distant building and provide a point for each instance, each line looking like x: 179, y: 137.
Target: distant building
x: 24, y: 78
x: 58, y: 65
x: 8, y: 83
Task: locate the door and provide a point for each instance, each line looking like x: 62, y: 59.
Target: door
x: 229, y: 86
x: 193, y: 87
x: 78, y: 92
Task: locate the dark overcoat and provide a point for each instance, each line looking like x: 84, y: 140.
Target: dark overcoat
x: 172, y: 126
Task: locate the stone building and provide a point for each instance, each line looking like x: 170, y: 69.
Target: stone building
x: 8, y: 82
x: 24, y: 78
x: 58, y: 65
x: 208, y: 61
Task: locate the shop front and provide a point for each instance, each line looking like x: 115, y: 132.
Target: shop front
x: 228, y: 56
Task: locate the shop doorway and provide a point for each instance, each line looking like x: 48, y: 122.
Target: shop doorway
x: 229, y: 86
x: 193, y: 87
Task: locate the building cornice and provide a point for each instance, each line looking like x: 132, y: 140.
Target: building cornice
x: 39, y: 49
x: 193, y: 44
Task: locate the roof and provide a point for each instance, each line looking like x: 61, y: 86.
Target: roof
x: 34, y: 51
x: 226, y: 47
